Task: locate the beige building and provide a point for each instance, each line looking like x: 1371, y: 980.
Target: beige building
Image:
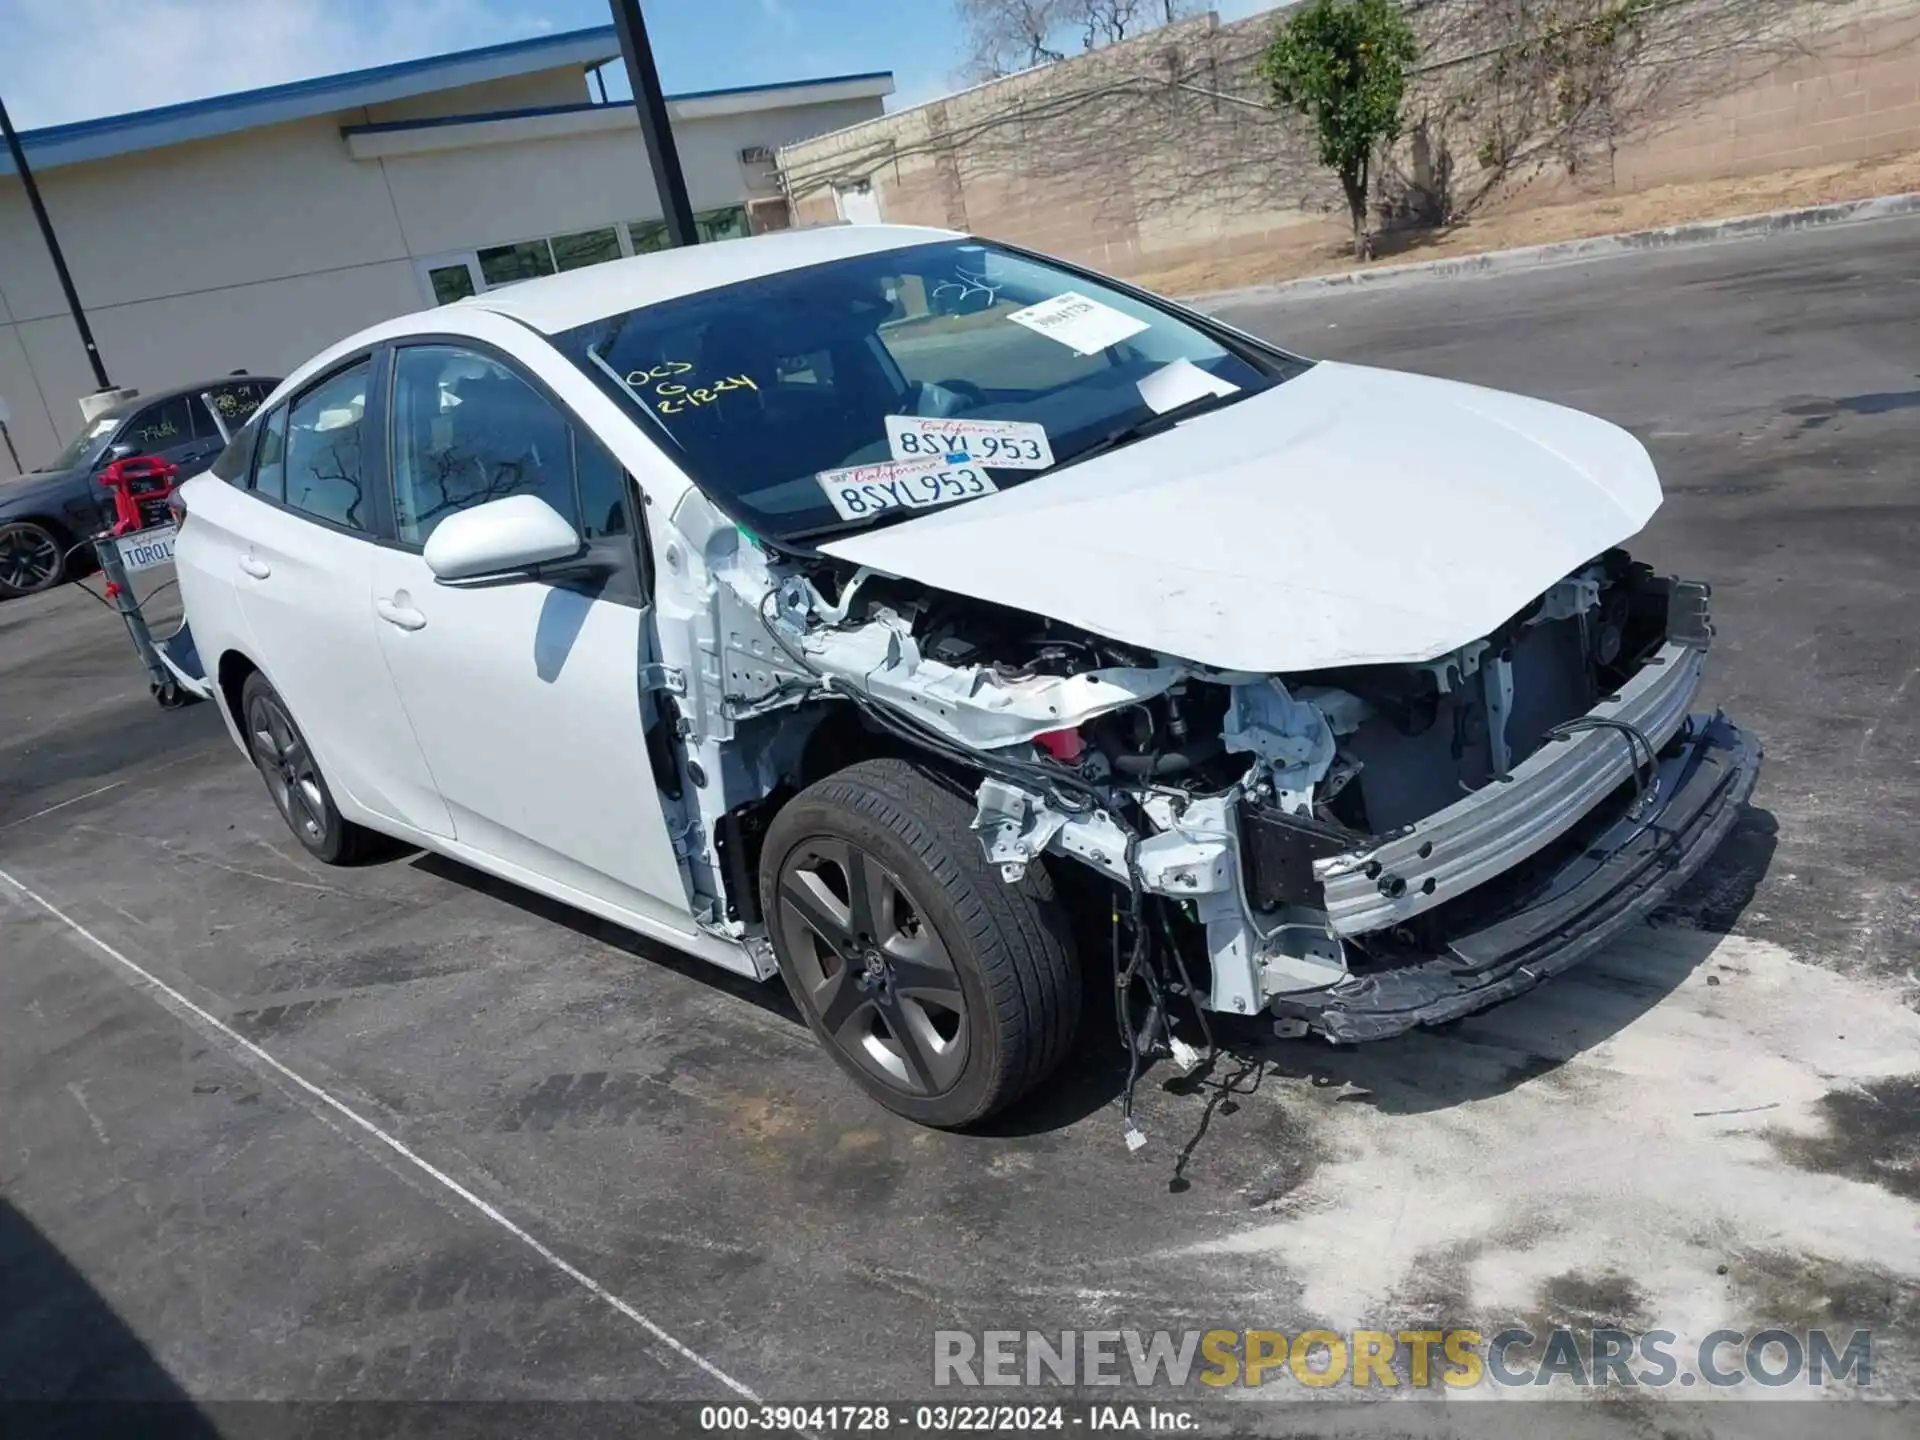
x: 251, y: 230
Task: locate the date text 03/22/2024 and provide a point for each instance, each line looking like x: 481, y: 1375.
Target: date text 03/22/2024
x: 940, y: 1419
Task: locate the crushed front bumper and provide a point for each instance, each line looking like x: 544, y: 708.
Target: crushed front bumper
x: 1613, y: 880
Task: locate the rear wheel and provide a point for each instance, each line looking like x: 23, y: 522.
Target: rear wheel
x: 32, y: 558
x: 281, y: 754
x: 944, y: 991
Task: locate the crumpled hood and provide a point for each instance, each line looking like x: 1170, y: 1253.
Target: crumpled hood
x: 1349, y: 516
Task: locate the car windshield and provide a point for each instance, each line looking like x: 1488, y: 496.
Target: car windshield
x: 85, y: 447
x: 860, y: 391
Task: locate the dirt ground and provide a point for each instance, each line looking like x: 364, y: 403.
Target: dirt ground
x: 1326, y: 249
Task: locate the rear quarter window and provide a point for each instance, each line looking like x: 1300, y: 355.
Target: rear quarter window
x: 231, y: 463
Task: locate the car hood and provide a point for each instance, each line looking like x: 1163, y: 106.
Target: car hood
x: 39, y: 485
x: 1349, y: 516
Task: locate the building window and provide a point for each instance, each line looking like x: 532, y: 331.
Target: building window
x: 526, y: 260
x: 727, y: 223
x: 455, y: 277
x: 450, y: 283
x: 589, y: 247
x: 647, y: 235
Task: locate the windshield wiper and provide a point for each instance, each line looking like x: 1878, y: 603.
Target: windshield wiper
x: 1150, y: 425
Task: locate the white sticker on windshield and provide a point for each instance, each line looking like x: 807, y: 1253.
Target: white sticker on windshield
x: 1083, y: 325
x: 1180, y: 382
x: 1003, y: 444
x: 862, y: 491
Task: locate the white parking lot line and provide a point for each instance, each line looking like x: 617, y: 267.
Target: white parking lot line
x: 181, y: 1004
x: 75, y: 800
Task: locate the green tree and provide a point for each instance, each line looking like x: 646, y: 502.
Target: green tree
x: 1343, y: 64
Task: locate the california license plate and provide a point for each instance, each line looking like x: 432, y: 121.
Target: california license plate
x: 145, y: 549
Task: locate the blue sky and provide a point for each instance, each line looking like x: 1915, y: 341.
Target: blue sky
x: 63, y: 60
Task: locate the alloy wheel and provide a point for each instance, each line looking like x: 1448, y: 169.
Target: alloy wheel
x: 29, y: 557
x: 877, y: 974
x: 287, y: 765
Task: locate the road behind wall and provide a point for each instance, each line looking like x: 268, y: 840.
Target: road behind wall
x: 1156, y: 157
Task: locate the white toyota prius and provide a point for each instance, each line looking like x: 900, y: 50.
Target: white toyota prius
x: 948, y: 629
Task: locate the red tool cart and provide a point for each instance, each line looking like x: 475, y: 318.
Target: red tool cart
x: 140, y: 538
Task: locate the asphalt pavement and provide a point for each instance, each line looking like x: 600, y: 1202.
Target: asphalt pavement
x: 273, y: 1130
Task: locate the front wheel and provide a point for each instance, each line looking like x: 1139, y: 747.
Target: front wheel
x: 946, y: 992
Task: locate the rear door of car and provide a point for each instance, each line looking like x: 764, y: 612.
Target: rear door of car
x: 177, y: 429
x: 302, y: 552
x: 526, y: 696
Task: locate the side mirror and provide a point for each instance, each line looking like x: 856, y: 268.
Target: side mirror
x: 119, y: 450
x: 502, y: 539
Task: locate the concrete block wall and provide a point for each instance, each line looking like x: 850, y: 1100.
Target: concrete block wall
x: 1855, y: 97
x: 1100, y: 160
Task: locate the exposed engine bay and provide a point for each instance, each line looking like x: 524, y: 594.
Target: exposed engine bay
x: 1352, y: 851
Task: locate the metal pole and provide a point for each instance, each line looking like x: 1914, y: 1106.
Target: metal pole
x: 120, y: 592
x: 654, y: 126
x: 53, y: 248
x: 7, y: 435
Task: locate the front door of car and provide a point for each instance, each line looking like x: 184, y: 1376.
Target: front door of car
x: 526, y: 696
x: 300, y: 554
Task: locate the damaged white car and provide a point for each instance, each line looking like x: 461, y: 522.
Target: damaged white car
x: 952, y: 630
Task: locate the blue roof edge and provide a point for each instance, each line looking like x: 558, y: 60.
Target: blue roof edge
x: 299, y: 99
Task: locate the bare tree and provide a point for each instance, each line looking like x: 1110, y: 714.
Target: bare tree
x: 1535, y: 85
x: 1010, y: 35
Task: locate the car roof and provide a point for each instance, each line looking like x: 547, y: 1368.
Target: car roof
x: 560, y: 302
x: 150, y: 397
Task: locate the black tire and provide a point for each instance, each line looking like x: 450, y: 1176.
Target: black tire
x: 33, y: 558
x: 943, y: 1028
x: 298, y: 789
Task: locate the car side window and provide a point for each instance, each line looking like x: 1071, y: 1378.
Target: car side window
x: 466, y: 430
x: 324, y: 435
x: 270, y: 464
x: 160, y: 426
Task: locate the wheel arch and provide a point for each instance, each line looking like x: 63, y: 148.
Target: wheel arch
x: 231, y: 678
x: 46, y: 520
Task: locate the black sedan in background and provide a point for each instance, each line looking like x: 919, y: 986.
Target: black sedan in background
x: 44, y: 515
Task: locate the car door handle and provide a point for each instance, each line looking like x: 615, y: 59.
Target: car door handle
x: 258, y: 569
x: 404, y: 616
